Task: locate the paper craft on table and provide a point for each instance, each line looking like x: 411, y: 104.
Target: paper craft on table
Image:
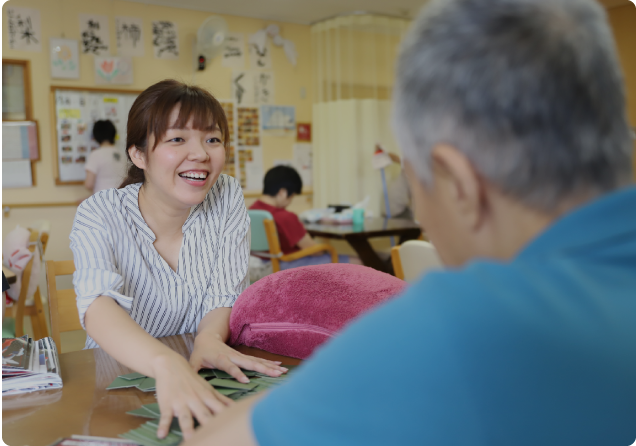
x: 165, y: 40
x: 95, y: 35
x: 23, y: 25
x: 234, y: 51
x: 64, y: 58
x: 113, y: 70
x: 130, y: 37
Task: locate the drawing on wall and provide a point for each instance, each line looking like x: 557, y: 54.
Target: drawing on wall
x: 264, y: 87
x: 95, y: 34
x: 113, y: 70
x: 243, y: 87
x: 234, y: 51
x: 130, y: 41
x: 278, y: 117
x: 165, y: 40
x: 248, y: 126
x: 64, y: 58
x: 24, y: 30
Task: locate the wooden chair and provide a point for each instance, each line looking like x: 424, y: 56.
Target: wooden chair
x: 20, y: 310
x: 413, y: 258
x: 62, y: 306
x: 262, y: 223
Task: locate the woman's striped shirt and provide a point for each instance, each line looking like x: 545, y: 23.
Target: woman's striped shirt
x: 114, y: 256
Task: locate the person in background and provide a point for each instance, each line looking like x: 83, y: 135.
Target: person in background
x: 399, y: 193
x: 105, y: 166
x: 512, y: 122
x: 280, y: 185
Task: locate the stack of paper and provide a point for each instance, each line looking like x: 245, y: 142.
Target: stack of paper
x: 29, y: 365
x: 223, y: 382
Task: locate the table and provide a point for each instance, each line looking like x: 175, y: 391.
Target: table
x: 84, y: 406
x: 358, y: 236
x: 10, y: 275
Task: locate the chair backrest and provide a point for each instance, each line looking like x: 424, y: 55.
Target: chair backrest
x: 259, y: 236
x: 413, y: 258
x: 62, y: 306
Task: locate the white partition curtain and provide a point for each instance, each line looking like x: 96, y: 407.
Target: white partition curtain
x: 354, y: 63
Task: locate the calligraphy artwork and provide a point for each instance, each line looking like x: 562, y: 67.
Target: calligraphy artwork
x: 243, y: 87
x: 64, y: 58
x: 165, y: 40
x: 94, y: 33
x: 234, y: 51
x: 130, y: 41
x: 260, y: 56
x: 24, y: 29
x: 264, y: 87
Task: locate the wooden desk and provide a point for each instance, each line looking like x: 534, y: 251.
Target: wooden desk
x: 358, y: 236
x: 10, y: 275
x: 84, y: 406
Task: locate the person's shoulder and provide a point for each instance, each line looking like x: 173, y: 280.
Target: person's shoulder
x: 225, y: 186
x: 108, y: 203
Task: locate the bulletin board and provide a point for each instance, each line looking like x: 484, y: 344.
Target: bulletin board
x: 75, y: 110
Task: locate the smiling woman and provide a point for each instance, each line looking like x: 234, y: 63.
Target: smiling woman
x: 167, y: 253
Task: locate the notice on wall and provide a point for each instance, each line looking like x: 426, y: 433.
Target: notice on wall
x: 95, y: 35
x: 303, y: 163
x: 76, y: 113
x: 230, y: 158
x: 248, y: 131
x: 165, y: 40
x: 16, y: 173
x: 130, y: 37
x: 23, y: 25
x: 250, y: 168
x: 234, y: 51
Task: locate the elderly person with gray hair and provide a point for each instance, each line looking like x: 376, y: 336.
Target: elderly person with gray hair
x: 511, y: 117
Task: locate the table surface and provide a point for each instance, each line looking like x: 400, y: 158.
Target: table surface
x: 84, y: 406
x: 10, y: 275
x: 372, y: 227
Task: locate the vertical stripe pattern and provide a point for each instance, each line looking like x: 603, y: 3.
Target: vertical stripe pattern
x: 114, y: 256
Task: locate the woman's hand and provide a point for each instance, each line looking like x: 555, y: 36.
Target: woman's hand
x: 211, y: 352
x: 183, y: 394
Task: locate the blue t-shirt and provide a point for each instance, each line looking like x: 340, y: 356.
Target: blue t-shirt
x: 540, y: 350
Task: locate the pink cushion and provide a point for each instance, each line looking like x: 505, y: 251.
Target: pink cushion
x: 294, y: 311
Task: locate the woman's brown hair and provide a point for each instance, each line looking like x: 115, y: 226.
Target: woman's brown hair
x: 150, y: 115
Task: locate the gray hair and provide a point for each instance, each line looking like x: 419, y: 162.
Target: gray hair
x: 529, y: 90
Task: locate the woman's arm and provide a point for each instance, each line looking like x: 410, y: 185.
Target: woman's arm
x: 89, y: 182
x: 180, y: 391
x: 211, y: 351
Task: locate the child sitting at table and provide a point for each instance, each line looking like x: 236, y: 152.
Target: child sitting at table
x: 280, y: 185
